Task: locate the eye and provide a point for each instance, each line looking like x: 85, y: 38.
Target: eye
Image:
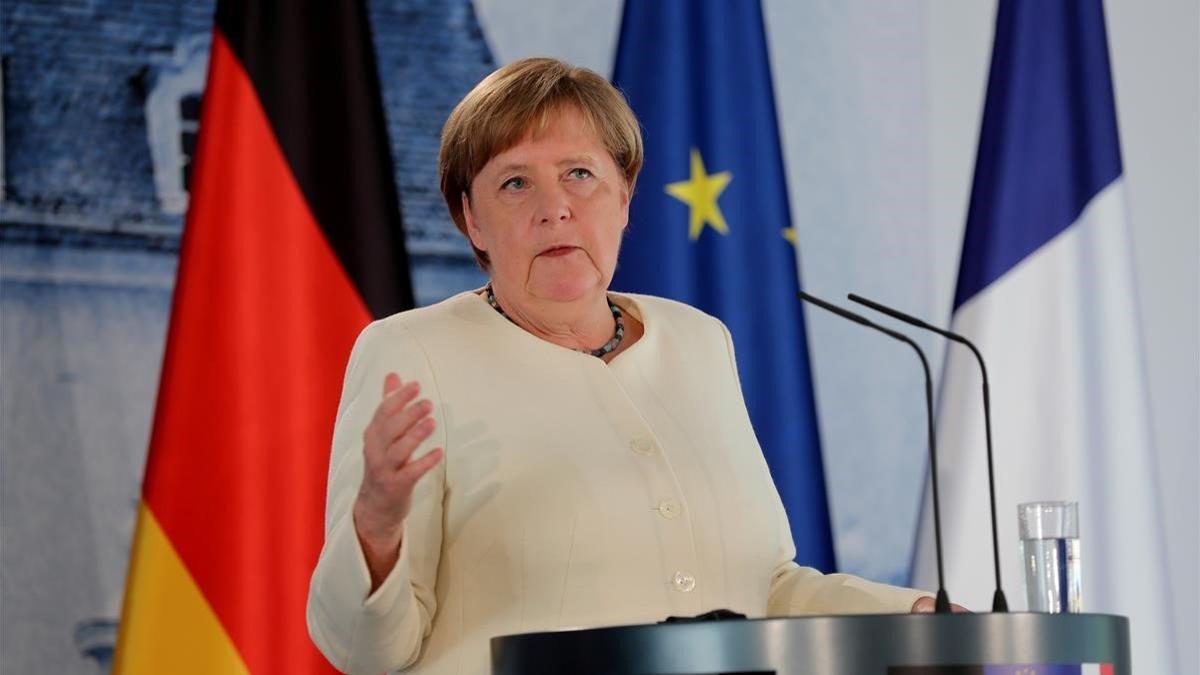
x: 514, y: 183
x: 579, y: 173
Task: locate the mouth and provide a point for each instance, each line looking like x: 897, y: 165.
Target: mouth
x: 555, y: 251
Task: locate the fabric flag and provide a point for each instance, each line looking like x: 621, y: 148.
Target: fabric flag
x: 710, y: 225
x: 292, y: 243
x: 1008, y: 669
x: 1046, y: 290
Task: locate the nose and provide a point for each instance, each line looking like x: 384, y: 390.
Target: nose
x: 554, y: 206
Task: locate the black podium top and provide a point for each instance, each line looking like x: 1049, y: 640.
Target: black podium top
x: 881, y: 644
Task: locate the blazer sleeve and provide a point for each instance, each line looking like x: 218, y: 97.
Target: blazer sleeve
x: 357, y: 632
x: 799, y: 590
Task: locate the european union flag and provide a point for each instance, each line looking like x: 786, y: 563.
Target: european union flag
x: 710, y: 226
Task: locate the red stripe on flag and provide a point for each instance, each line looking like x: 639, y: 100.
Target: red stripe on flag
x: 263, y: 319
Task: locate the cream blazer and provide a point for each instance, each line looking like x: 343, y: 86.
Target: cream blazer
x: 573, y: 493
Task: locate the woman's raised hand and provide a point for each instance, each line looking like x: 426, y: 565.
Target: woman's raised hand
x: 400, y: 425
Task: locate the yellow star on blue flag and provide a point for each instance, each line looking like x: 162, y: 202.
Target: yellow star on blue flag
x: 700, y: 193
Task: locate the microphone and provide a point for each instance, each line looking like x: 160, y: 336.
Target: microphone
x: 942, y: 604
x: 999, y: 602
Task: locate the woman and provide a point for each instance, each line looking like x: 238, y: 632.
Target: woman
x: 544, y: 453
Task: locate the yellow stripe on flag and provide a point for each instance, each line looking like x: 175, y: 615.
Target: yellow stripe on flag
x: 166, y: 625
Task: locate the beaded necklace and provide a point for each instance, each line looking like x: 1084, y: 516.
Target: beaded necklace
x: 607, y: 347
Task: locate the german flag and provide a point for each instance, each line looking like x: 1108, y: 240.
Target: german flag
x: 292, y: 244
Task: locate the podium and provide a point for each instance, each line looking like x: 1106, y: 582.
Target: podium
x: 878, y: 644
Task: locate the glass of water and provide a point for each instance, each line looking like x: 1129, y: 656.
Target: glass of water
x: 1050, y: 553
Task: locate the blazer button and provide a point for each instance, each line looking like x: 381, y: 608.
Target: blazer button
x: 669, y: 509
x: 642, y: 446
x: 683, y: 582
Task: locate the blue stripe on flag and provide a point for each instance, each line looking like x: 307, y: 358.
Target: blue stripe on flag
x: 710, y: 224
x: 1048, y: 143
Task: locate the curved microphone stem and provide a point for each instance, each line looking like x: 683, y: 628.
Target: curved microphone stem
x: 999, y: 601
x: 942, y: 604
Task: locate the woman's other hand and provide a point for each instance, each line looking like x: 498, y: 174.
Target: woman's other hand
x: 927, y: 605
x: 399, y: 425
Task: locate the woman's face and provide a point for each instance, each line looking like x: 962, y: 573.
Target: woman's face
x: 550, y: 211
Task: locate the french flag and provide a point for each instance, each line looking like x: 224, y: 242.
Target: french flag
x: 1081, y: 669
x: 1046, y: 290
x: 1008, y: 669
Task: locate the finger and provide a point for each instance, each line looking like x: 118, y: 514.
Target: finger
x: 402, y: 448
x: 414, y: 470
x: 375, y: 437
x: 391, y: 382
x: 402, y: 421
x: 394, y: 402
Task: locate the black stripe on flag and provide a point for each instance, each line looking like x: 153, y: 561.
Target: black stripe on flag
x: 327, y: 114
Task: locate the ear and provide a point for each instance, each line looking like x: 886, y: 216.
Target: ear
x: 473, y: 231
x: 626, y: 195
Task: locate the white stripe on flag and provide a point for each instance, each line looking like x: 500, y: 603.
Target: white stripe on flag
x: 1060, y: 334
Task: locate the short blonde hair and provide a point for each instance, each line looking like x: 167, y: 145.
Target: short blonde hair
x: 522, y: 96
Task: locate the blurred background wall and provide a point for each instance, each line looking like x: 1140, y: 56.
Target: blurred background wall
x: 879, y: 104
